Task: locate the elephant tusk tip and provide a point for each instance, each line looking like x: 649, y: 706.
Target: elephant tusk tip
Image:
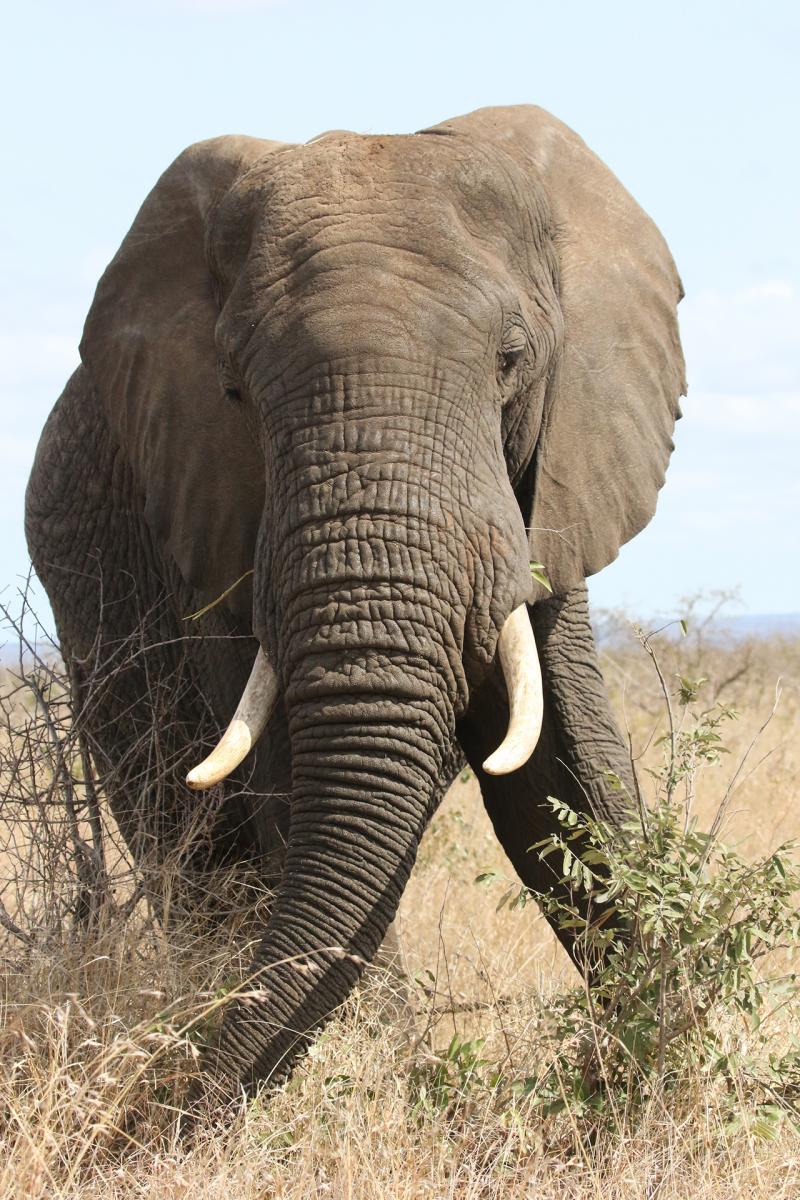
x: 197, y: 779
x: 248, y: 723
x: 224, y: 758
x: 511, y: 755
x: 494, y: 767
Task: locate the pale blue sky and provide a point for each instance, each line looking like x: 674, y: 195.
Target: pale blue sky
x: 694, y: 105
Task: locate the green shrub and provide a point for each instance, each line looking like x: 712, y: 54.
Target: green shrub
x: 679, y: 934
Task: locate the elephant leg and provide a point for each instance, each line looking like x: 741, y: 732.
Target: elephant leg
x: 149, y: 688
x: 580, y: 740
x: 389, y: 963
x: 387, y: 971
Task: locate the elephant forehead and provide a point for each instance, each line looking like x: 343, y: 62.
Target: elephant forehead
x: 446, y: 199
x: 362, y: 167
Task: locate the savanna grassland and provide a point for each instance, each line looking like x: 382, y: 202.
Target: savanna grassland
x: 423, y: 1088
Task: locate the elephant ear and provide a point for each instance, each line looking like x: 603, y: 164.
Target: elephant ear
x: 148, y: 346
x: 612, y: 402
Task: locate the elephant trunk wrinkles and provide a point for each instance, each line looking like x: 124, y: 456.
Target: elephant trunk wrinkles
x: 375, y: 585
x: 365, y: 775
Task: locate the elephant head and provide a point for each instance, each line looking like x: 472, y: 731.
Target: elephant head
x: 383, y: 374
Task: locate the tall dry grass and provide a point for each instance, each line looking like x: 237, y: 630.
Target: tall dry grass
x: 103, y: 1006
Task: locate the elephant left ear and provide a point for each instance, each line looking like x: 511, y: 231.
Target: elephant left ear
x: 613, y: 399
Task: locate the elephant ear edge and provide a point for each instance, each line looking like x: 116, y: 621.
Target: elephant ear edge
x: 148, y: 346
x: 613, y: 399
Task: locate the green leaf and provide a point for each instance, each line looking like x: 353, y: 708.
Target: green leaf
x: 486, y: 877
x: 767, y: 1123
x: 538, y: 573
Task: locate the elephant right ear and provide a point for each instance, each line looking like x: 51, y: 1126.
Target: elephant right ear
x: 148, y: 346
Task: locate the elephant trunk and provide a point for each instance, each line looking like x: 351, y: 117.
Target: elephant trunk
x: 366, y: 764
x: 378, y: 588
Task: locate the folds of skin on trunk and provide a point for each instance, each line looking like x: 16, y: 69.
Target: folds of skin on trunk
x: 363, y: 597
x: 366, y: 777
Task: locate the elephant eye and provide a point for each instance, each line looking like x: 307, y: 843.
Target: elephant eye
x: 227, y: 381
x: 514, y: 345
x: 510, y: 358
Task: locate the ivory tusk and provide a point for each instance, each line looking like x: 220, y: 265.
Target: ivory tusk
x: 248, y: 723
x: 519, y: 659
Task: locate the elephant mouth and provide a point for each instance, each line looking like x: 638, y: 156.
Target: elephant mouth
x: 519, y: 659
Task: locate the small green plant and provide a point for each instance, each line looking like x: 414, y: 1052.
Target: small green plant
x: 677, y: 931
x: 539, y: 575
x: 445, y: 1081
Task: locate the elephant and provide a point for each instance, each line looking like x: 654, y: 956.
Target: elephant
x: 340, y: 396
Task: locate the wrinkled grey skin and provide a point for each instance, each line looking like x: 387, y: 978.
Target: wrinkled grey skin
x: 383, y: 373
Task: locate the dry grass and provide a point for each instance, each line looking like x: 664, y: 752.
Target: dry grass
x: 99, y: 1020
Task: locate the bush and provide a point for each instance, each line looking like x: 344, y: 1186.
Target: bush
x: 681, y: 938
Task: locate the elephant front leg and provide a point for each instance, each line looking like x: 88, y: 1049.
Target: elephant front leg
x: 580, y: 741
